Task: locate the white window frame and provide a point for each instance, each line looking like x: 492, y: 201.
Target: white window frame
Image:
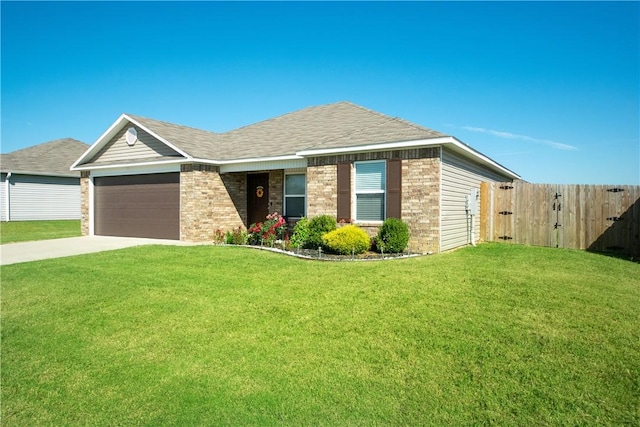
x: 356, y: 192
x: 285, y: 195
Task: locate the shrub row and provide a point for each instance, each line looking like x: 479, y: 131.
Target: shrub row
x: 322, y: 232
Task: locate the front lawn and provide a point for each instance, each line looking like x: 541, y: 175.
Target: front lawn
x: 23, y: 231
x: 204, y: 335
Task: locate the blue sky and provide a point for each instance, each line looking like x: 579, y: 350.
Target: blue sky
x: 550, y: 90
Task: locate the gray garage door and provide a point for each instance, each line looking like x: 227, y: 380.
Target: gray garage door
x: 138, y: 206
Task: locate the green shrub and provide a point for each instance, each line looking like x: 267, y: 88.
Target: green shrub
x: 319, y: 226
x: 393, y: 236
x: 347, y: 240
x: 300, y: 233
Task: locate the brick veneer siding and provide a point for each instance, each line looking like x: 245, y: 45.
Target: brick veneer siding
x: 84, y: 203
x: 421, y: 203
x: 210, y: 201
x: 420, y: 191
x: 276, y: 191
x: 322, y: 190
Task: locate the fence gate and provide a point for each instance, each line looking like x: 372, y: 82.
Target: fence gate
x: 595, y: 217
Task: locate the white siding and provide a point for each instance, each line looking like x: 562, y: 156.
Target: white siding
x: 146, y: 147
x: 43, y: 198
x: 459, y: 176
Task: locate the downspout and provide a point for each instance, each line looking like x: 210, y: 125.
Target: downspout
x: 7, y: 198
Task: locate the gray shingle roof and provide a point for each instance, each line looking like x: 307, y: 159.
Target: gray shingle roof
x: 195, y: 142
x: 341, y: 124
x: 50, y: 158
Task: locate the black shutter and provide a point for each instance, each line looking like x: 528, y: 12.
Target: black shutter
x: 344, y: 192
x: 394, y: 188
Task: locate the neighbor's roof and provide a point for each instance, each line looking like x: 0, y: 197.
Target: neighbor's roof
x: 50, y: 158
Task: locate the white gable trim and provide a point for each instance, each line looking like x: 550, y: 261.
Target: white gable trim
x: 158, y: 137
x: 104, y: 139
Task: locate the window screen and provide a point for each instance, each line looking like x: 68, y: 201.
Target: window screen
x: 294, y: 195
x: 370, y: 190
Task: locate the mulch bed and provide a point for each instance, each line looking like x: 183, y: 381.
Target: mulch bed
x: 322, y: 256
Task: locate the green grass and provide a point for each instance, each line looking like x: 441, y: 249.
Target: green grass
x: 497, y: 334
x: 23, y: 231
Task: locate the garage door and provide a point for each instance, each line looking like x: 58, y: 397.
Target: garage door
x: 138, y: 206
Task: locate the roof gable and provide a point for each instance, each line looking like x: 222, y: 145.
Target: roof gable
x: 50, y: 158
x: 193, y: 142
x: 146, y: 147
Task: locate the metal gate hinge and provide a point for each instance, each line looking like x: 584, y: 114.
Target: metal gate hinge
x: 505, y: 213
x: 506, y: 187
x: 615, y: 218
x: 557, y: 225
x: 615, y: 190
x: 505, y: 237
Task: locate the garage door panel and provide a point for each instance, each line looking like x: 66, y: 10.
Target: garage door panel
x: 138, y: 206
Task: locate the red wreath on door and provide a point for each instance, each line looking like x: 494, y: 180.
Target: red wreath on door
x: 260, y: 191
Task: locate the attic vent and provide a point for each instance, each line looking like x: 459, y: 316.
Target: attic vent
x: 131, y: 136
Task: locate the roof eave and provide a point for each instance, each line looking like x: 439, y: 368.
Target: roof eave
x: 111, y: 132
x: 472, y: 153
x: 448, y: 141
x: 97, y: 166
x: 385, y: 146
x: 26, y: 172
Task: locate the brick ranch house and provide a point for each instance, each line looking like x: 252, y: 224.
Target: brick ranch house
x: 148, y: 178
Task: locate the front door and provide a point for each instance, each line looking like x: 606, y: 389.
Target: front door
x: 257, y: 197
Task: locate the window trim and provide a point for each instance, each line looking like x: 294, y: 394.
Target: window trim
x: 285, y: 195
x: 382, y: 191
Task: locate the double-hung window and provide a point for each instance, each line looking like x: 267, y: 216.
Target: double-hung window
x: 370, y: 190
x: 294, y: 195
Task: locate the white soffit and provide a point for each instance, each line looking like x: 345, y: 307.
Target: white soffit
x: 136, y: 170
x: 261, y: 165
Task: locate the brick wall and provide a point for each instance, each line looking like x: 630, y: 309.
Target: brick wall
x: 236, y: 187
x: 209, y: 201
x: 85, y: 217
x: 421, y: 203
x: 322, y: 190
x: 276, y: 191
x: 420, y: 191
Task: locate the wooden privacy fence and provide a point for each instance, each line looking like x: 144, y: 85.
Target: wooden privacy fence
x: 602, y: 218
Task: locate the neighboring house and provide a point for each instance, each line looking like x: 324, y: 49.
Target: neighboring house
x: 149, y: 178
x: 37, y: 183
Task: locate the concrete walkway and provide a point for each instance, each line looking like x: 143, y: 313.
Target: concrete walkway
x: 13, y: 253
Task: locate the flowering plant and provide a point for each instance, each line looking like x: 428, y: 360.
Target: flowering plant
x: 219, y: 236
x: 269, y: 231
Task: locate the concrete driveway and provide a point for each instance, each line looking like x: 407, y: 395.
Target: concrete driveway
x: 13, y: 253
